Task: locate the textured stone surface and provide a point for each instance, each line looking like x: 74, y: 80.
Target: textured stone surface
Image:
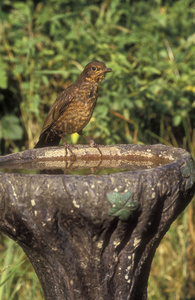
x: 63, y: 222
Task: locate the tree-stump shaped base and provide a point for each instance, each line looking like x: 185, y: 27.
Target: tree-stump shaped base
x: 94, y: 237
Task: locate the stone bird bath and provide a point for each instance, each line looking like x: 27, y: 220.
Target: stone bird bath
x: 93, y: 237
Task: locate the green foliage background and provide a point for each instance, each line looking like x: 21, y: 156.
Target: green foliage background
x: 149, y: 98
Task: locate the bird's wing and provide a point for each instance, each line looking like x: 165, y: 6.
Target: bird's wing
x: 58, y: 108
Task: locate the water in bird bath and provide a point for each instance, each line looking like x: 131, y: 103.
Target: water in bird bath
x: 82, y: 167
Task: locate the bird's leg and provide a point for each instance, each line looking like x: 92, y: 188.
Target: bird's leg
x: 91, y: 142
x: 67, y: 146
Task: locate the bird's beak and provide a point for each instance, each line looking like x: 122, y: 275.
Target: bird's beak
x: 108, y: 70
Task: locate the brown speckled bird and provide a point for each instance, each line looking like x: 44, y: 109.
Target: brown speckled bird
x: 74, y: 107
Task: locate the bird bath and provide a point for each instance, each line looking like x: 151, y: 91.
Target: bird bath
x: 93, y: 237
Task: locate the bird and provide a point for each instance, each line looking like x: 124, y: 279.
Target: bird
x: 73, y: 108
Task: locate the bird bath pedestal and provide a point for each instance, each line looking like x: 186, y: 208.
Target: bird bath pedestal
x: 93, y: 237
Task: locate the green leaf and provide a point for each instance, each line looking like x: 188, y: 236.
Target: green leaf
x: 3, y: 75
x: 10, y: 128
x: 151, y: 70
x: 176, y: 120
x: 122, y: 205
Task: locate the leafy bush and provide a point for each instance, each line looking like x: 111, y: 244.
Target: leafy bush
x: 149, y: 45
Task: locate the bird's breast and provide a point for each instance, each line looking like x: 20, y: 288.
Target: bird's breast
x: 79, y: 111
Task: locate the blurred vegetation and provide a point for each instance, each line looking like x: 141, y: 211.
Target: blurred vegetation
x: 149, y: 98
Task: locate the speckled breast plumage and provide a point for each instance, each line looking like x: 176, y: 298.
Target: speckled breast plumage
x: 79, y: 112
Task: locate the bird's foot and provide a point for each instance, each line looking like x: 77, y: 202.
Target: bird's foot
x: 94, y: 145
x: 67, y: 147
x: 91, y: 142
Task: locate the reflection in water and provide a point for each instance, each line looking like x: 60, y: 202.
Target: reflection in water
x: 81, y: 167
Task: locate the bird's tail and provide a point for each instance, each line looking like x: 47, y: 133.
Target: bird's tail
x: 47, y: 141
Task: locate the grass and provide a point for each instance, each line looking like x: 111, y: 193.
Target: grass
x: 18, y: 279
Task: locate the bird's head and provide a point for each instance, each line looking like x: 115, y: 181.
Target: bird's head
x: 95, y: 71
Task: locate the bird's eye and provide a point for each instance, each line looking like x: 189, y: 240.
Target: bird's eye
x: 94, y: 68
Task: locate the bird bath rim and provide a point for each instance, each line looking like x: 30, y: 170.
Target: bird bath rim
x: 138, y: 157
